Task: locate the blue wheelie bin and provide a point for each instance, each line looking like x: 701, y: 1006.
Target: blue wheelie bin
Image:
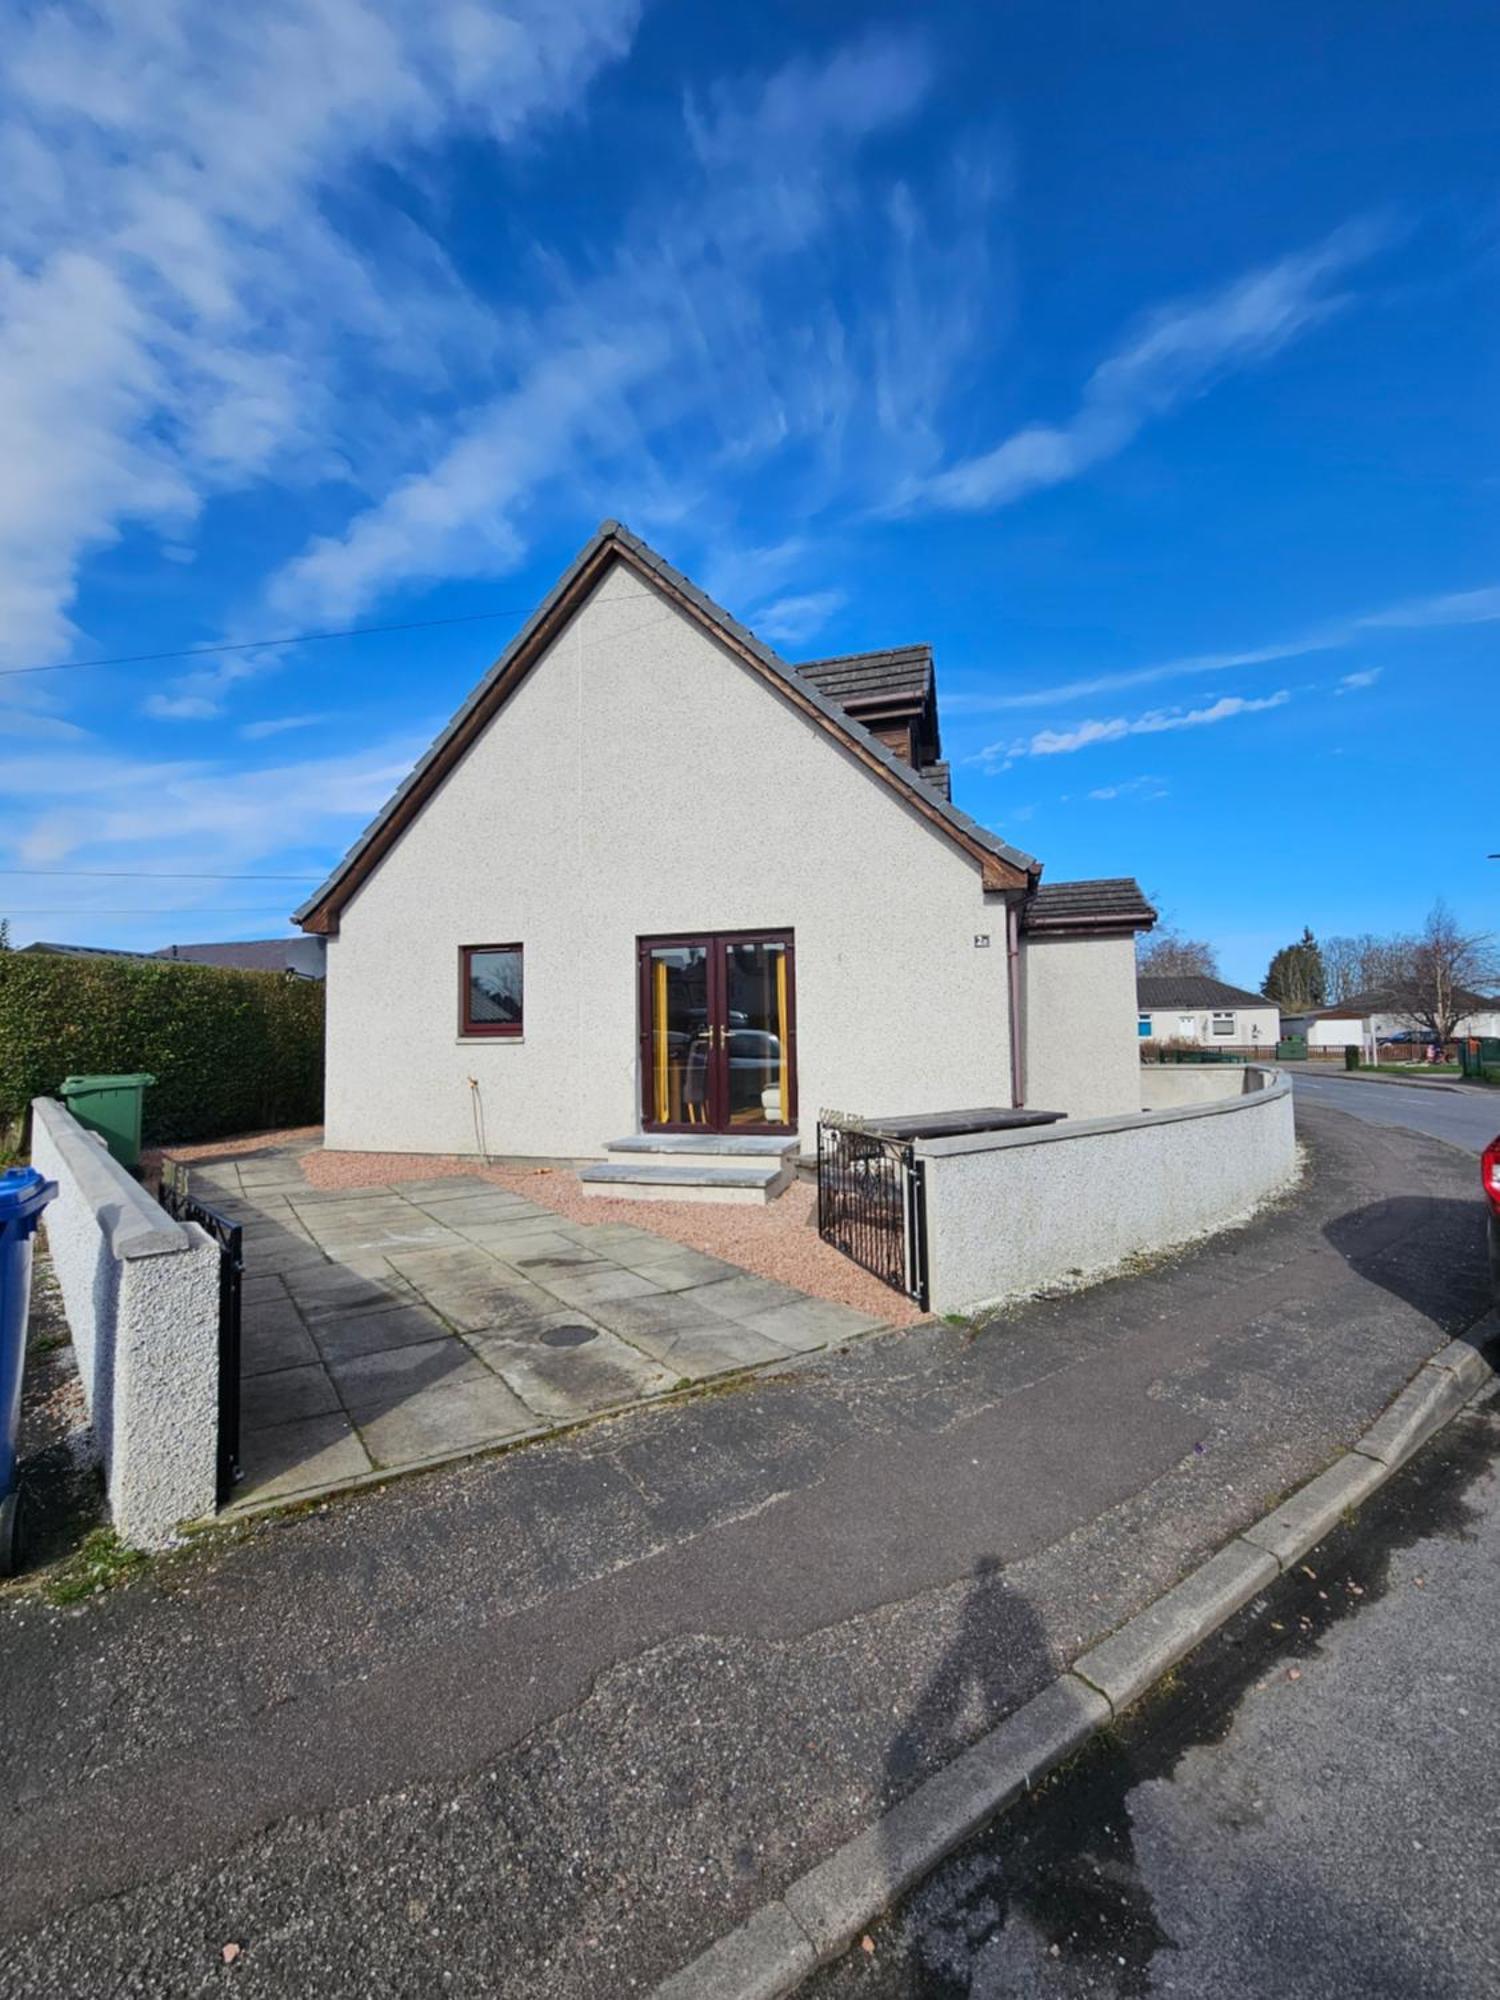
x: 23, y: 1196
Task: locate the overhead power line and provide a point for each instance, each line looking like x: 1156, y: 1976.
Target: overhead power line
x: 161, y: 875
x: 168, y: 910
x: 287, y: 639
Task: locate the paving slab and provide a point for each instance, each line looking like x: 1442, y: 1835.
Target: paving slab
x: 473, y: 1291
x: 357, y: 1334
x: 371, y: 1384
x: 329, y: 1290
x: 256, y: 1286
x: 266, y: 1258
x: 273, y: 1338
x: 515, y: 1241
x: 305, y: 1457
x: 812, y: 1323
x: 597, y: 1287
x: 379, y: 1239
x: 457, y: 1416
x: 675, y: 1268
x: 592, y: 1371
x: 286, y: 1396
x: 449, y: 1187
x: 698, y: 1353
x: 745, y: 1297
x: 658, y: 1316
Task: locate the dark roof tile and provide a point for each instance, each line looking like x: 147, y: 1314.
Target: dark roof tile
x: 898, y: 674
x: 1193, y: 989
x: 1113, y: 903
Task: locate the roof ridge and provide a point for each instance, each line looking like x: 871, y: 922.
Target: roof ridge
x: 865, y: 653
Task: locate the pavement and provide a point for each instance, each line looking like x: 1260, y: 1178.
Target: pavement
x: 549, y: 1723
x: 1465, y: 1115
x: 388, y: 1328
x: 1296, y: 1818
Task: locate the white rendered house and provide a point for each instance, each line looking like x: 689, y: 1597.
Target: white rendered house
x: 1189, y: 1007
x: 655, y: 885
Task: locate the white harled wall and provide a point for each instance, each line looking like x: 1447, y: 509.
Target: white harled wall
x: 141, y: 1294
x: 1079, y: 1024
x: 640, y: 781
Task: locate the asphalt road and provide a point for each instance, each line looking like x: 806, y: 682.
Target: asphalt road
x: 1310, y: 1814
x: 1465, y: 1117
x: 544, y: 1725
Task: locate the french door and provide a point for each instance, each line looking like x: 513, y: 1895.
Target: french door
x: 718, y: 1032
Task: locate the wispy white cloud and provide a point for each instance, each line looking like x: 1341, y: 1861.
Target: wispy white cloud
x: 1458, y: 607
x: 1468, y: 607
x: 1180, y: 352
x: 1366, y: 677
x: 90, y: 807
x: 280, y: 725
x: 172, y: 291
x: 671, y: 332
x: 1143, y: 788
x: 1114, y: 729
x: 791, y: 621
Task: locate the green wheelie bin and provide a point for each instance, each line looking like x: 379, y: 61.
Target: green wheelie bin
x: 110, y: 1106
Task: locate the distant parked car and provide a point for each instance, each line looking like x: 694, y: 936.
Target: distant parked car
x: 1489, y: 1174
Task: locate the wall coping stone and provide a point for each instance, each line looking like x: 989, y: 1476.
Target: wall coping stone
x: 133, y: 1223
x: 1279, y: 1085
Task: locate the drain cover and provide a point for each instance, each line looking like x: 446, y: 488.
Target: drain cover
x: 569, y: 1336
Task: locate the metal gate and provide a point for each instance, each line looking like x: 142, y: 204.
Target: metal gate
x: 185, y: 1207
x: 871, y: 1205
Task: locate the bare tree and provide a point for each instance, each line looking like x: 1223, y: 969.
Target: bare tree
x: 1442, y: 971
x: 1363, y: 964
x: 1167, y: 953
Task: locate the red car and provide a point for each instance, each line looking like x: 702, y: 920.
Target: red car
x: 1489, y: 1175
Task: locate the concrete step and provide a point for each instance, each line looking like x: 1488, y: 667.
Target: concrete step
x: 723, y: 1145
x: 754, y: 1181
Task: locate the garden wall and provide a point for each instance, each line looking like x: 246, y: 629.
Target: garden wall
x: 1010, y: 1213
x: 141, y: 1294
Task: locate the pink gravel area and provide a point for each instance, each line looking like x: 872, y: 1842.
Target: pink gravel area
x: 224, y: 1149
x: 778, y: 1241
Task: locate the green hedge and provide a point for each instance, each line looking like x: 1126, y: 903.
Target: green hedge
x: 230, y: 1051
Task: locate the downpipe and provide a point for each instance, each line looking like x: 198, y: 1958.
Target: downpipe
x: 1013, y: 982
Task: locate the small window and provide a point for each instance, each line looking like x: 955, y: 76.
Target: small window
x: 1143, y: 1026
x: 490, y: 989
x: 1223, y: 1024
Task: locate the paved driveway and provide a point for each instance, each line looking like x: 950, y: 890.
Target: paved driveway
x: 387, y: 1328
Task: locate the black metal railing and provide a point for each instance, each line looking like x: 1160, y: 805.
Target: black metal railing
x: 871, y: 1205
x: 184, y: 1206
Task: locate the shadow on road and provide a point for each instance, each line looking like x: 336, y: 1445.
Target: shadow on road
x: 1428, y: 1251
x: 997, y: 1659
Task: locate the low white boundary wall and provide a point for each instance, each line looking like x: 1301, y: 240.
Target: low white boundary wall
x: 142, y: 1297
x: 1168, y: 1086
x: 1011, y: 1212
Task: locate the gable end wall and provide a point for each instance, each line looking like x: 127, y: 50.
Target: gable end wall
x: 643, y: 781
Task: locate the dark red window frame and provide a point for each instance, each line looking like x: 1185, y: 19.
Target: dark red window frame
x: 466, y: 1026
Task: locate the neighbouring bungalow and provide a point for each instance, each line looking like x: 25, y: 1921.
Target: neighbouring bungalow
x: 1377, y: 1016
x: 1187, y: 1007
x: 298, y: 957
x: 657, y: 894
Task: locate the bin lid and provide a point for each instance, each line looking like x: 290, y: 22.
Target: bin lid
x: 76, y: 1086
x: 23, y: 1194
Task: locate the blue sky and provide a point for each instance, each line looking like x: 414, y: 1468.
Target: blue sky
x: 1142, y: 360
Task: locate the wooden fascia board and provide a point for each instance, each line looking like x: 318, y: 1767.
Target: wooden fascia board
x: 995, y: 873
